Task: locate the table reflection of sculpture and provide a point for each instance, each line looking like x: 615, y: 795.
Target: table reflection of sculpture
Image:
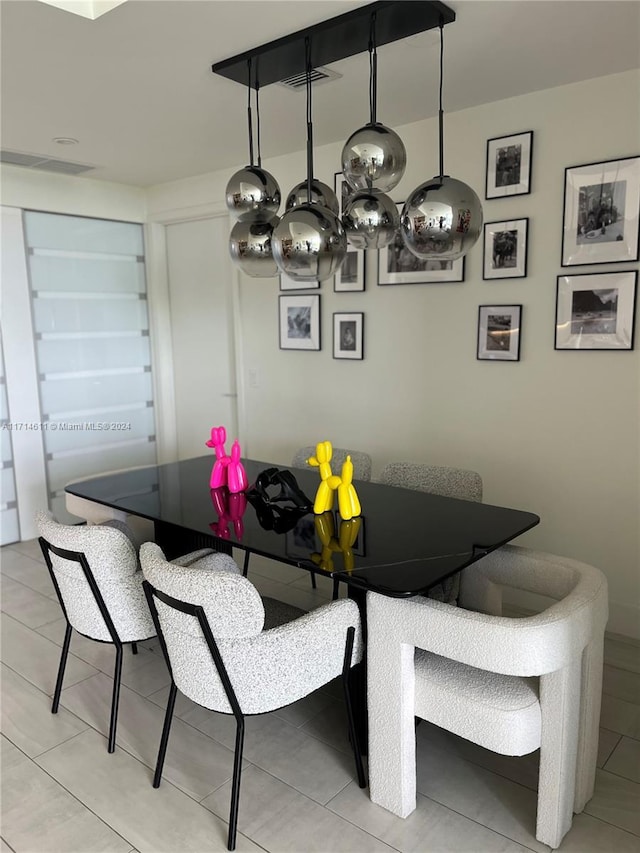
x: 230, y: 508
x: 227, y: 470
x: 331, y: 544
x: 348, y: 502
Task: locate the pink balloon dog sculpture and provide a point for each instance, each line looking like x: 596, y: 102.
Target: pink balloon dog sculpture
x: 227, y: 470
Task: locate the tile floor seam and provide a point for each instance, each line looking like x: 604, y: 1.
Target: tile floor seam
x: 483, y: 825
x: 4, y: 841
x: 77, y: 799
x: 620, y: 776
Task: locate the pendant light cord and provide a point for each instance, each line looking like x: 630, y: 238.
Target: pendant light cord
x: 249, y: 120
x: 441, y: 111
x: 373, y: 72
x: 258, y: 122
x: 307, y: 48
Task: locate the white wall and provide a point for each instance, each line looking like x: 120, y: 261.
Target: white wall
x: 556, y: 433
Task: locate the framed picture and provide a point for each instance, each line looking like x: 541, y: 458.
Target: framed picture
x: 601, y: 204
x: 342, y: 190
x: 350, y: 276
x: 505, y: 249
x: 301, y: 542
x: 397, y: 265
x: 596, y: 311
x: 300, y: 321
x: 499, y: 332
x: 348, y: 335
x: 287, y: 283
x: 509, y: 165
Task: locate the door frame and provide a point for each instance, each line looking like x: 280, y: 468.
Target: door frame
x: 160, y: 324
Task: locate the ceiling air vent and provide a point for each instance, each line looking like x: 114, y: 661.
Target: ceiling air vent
x: 318, y: 75
x: 46, y: 164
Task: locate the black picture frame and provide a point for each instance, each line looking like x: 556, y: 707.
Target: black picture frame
x: 299, y: 321
x: 601, y: 212
x: 348, y: 335
x: 499, y: 332
x: 509, y: 165
x: 395, y: 256
x: 505, y: 249
x: 596, y: 311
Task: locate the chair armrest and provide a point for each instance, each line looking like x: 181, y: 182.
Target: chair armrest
x: 530, y: 646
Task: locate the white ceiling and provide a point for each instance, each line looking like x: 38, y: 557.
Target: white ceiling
x: 135, y: 86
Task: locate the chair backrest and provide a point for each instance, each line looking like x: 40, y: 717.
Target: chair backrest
x: 435, y: 479
x: 112, y: 560
x: 231, y: 605
x: 361, y: 461
x: 533, y: 645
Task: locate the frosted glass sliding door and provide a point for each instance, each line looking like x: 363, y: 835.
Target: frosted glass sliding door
x: 91, y: 327
x: 9, y: 526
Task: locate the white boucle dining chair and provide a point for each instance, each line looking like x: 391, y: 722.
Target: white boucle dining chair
x: 220, y: 655
x: 512, y: 685
x: 98, y: 582
x: 437, y: 480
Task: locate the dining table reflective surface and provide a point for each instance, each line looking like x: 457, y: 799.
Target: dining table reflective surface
x: 404, y: 542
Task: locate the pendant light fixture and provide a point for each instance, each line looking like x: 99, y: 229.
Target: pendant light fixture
x: 373, y: 154
x: 253, y: 195
x: 442, y: 218
x: 309, y: 243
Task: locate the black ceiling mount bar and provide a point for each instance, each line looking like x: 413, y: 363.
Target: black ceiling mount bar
x: 333, y: 40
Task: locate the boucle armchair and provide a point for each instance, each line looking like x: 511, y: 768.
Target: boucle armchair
x: 211, y: 628
x: 98, y: 581
x: 510, y: 685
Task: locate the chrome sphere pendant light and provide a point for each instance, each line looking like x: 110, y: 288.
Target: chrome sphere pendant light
x: 370, y: 217
x: 252, y: 191
x: 309, y: 243
x: 254, y: 195
x: 374, y: 156
x: 442, y: 218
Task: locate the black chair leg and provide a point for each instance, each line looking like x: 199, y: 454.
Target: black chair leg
x: 313, y: 580
x: 235, y: 789
x: 117, y: 675
x: 134, y: 648
x: 61, y: 668
x: 336, y: 589
x: 245, y: 568
x: 164, y: 740
x: 346, y: 671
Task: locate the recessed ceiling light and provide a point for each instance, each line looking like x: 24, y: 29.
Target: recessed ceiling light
x: 87, y: 8
x: 65, y: 140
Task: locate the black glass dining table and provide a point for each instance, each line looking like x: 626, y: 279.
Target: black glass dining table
x: 404, y: 543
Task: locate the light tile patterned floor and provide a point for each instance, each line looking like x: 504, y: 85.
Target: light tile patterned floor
x: 62, y: 792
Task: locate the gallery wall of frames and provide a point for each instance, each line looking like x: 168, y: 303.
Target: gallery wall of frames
x: 595, y: 308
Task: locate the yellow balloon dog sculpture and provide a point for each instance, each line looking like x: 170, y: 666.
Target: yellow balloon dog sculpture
x: 348, y: 502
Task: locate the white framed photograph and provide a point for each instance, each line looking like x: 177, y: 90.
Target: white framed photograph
x: 601, y: 205
x: 397, y: 265
x: 499, y: 332
x: 287, y: 283
x: 343, y: 191
x: 300, y: 321
x: 509, y: 165
x: 350, y: 276
x: 596, y: 311
x: 505, y: 249
x: 348, y: 335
